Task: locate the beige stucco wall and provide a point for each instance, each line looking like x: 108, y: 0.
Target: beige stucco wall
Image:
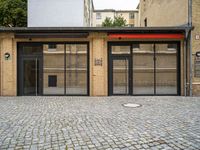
x: 98, y: 74
x: 163, y: 12
x: 8, y: 67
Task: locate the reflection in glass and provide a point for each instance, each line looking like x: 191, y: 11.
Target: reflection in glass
x: 32, y: 49
x: 120, y: 77
x: 121, y: 49
x: 143, y: 69
x: 31, y: 76
x: 53, y: 65
x: 76, y: 69
x: 166, y: 69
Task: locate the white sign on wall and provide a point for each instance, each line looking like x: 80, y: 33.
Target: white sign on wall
x: 197, y: 37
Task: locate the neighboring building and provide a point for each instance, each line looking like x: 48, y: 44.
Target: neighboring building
x: 196, y: 46
x: 60, y: 13
x: 158, y: 13
x: 100, y: 15
x: 163, y: 12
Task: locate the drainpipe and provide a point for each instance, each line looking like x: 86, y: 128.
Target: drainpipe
x: 185, y: 63
x: 190, y: 43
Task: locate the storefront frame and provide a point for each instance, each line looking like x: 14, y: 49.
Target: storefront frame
x: 19, y: 70
x: 129, y: 56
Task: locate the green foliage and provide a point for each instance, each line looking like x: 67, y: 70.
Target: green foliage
x: 13, y: 13
x: 108, y: 22
x: 118, y: 21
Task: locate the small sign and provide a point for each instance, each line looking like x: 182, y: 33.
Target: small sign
x: 98, y: 62
x: 197, y: 37
x: 7, y: 56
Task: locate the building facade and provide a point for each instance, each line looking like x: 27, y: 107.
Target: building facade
x: 92, y: 61
x: 163, y: 12
x: 195, y: 46
x: 100, y: 15
x: 175, y: 13
x: 60, y: 13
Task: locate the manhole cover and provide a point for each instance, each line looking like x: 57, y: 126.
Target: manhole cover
x: 131, y: 105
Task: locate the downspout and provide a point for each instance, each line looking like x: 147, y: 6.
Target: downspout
x: 185, y: 63
x: 190, y: 44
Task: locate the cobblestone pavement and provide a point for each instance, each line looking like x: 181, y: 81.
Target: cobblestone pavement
x: 99, y: 123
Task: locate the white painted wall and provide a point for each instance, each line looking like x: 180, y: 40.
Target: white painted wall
x: 55, y: 13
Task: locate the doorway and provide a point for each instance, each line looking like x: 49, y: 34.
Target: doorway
x: 30, y: 70
x: 31, y: 76
x: 121, y: 75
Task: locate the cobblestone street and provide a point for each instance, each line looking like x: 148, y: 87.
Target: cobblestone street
x: 66, y: 123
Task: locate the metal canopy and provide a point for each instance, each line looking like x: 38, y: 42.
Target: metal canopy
x: 178, y: 29
x: 51, y: 35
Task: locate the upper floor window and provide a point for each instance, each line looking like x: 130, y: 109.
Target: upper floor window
x: 98, y: 15
x: 52, y: 47
x: 131, y: 16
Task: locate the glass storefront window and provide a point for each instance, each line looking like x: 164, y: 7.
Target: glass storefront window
x: 121, y: 76
x: 166, y: 68
x: 53, y: 70
x: 120, y: 49
x: 155, y: 69
x: 76, y: 69
x: 31, y: 50
x: 143, y: 69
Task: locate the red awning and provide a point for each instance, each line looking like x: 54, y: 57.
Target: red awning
x: 146, y: 36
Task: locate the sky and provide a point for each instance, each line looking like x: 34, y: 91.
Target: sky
x: 116, y: 4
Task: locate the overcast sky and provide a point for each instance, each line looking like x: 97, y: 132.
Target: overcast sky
x: 116, y: 4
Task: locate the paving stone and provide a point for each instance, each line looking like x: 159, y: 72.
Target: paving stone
x: 99, y: 123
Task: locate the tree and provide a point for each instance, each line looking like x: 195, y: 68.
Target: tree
x: 118, y: 21
x: 108, y: 22
x: 13, y: 13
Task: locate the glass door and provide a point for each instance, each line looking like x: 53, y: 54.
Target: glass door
x: 121, y: 76
x: 31, y: 77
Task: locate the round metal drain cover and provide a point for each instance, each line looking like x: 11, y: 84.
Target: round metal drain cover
x: 131, y: 105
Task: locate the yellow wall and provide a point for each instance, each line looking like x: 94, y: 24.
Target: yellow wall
x: 163, y: 12
x: 8, y: 67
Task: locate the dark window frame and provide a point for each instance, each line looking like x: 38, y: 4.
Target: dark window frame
x: 110, y: 58
x: 20, y: 56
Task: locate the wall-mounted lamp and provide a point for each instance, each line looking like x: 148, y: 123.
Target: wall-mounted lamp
x: 7, y: 56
